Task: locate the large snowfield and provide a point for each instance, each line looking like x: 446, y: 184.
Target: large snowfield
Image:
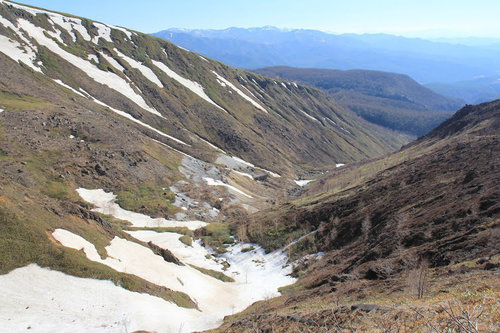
x: 46, y: 300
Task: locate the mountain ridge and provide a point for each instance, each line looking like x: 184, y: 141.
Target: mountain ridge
x: 425, y: 61
x: 387, y: 99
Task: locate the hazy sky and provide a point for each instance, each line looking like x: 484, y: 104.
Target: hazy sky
x: 423, y: 18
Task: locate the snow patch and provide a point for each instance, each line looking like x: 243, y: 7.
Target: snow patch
x: 112, y: 62
x: 129, y: 116
x: 233, y: 163
x: 172, y: 148
x: 303, y: 182
x: 103, y: 31
x: 146, y: 71
x: 17, y: 52
x: 1, y: 110
x: 105, y: 203
x: 109, y: 79
x: 331, y: 121
x: 193, y: 255
x: 243, y: 174
x: 93, y: 57
x: 195, y: 87
x: 213, y: 182
x: 338, y: 165
x: 309, y: 116
x: 239, y: 92
x: 76, y: 242
x: 70, y: 88
x: 257, y: 275
x: 51, y: 301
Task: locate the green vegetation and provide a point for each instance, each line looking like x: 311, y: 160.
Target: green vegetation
x: 147, y: 197
x: 218, y: 236
x: 13, y: 101
x: 56, y: 189
x: 186, y: 239
x: 218, y: 275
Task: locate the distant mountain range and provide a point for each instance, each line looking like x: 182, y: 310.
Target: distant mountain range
x: 445, y: 62
x: 391, y: 100
x: 474, y: 91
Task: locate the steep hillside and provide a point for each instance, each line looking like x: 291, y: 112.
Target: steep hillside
x: 411, y: 240
x: 391, y: 100
x: 275, y: 125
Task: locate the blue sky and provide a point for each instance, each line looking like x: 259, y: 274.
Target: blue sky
x: 415, y: 18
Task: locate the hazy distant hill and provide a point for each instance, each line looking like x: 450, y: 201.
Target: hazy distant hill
x: 423, y: 60
x: 387, y: 99
x: 472, y: 91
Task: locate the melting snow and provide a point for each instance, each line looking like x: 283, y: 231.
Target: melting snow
x: 107, y: 78
x: 213, y: 182
x: 194, y: 255
x: 70, y: 88
x: 303, y: 182
x: 195, y: 87
x: 309, y: 116
x: 257, y: 275
x: 16, y: 52
x: 146, y: 71
x: 101, y: 306
x: 239, y: 92
x: 331, y: 121
x: 221, y: 83
x: 1, y: 110
x: 103, y: 31
x: 113, y: 62
x: 128, y: 116
x: 93, y: 57
x: 338, y: 165
x: 105, y: 203
x: 234, y: 162
x: 51, y: 301
x: 243, y: 174
x: 176, y: 150
x: 182, y: 48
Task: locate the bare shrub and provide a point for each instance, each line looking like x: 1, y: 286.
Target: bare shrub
x: 417, y: 279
